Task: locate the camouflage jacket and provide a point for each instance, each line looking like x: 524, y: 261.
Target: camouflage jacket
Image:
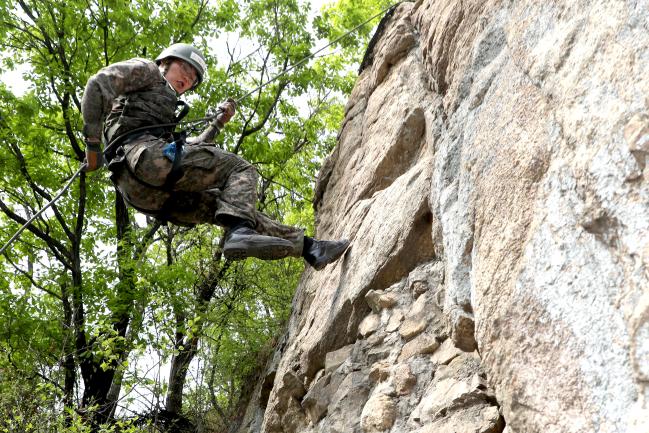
x: 124, y: 96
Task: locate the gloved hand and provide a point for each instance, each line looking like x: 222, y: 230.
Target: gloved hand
x: 227, y: 110
x: 94, y: 156
x: 224, y: 113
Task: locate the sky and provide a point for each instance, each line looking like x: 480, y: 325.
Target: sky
x: 14, y: 79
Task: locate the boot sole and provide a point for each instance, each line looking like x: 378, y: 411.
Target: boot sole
x: 319, y: 265
x: 261, y: 250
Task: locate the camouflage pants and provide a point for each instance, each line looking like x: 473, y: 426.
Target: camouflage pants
x: 215, y: 185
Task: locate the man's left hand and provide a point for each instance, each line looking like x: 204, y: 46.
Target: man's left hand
x: 227, y: 108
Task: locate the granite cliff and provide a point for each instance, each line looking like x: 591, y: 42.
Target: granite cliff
x: 491, y: 174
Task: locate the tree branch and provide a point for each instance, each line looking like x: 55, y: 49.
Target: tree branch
x: 55, y: 246
x: 201, y: 9
x: 38, y: 190
x: 31, y: 279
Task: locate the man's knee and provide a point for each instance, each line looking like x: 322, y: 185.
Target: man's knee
x: 193, y: 207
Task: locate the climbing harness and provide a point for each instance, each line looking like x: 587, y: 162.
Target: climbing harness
x: 111, y: 146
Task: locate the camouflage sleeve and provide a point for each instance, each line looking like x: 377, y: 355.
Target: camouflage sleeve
x: 110, y: 82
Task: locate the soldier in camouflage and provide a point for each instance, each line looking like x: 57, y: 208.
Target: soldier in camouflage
x: 125, y: 103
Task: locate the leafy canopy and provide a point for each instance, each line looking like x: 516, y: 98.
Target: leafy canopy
x: 91, y: 289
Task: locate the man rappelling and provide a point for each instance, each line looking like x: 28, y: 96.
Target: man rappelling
x: 130, y: 106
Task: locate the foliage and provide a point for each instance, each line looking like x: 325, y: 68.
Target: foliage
x: 91, y: 289
x: 342, y: 15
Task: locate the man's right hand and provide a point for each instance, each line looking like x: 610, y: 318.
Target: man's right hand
x: 94, y: 156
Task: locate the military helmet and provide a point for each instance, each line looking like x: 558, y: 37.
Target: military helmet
x: 188, y: 53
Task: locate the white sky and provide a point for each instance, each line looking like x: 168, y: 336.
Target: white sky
x: 14, y: 79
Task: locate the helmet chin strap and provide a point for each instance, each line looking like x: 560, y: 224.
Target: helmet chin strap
x: 172, y: 88
x: 164, y: 68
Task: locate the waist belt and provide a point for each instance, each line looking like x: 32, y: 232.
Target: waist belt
x: 116, y: 143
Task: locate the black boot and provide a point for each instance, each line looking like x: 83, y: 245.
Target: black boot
x: 319, y: 254
x: 242, y: 242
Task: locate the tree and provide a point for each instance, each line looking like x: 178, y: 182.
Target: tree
x: 89, y: 286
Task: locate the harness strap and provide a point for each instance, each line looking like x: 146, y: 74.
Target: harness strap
x: 111, y: 152
x: 176, y: 167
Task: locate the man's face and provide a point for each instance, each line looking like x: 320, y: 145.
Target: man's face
x: 181, y: 75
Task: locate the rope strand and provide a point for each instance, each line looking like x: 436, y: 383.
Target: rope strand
x: 289, y: 69
x: 40, y: 212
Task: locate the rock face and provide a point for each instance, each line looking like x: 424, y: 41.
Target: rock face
x: 491, y: 174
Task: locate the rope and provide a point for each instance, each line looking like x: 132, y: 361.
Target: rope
x: 285, y: 71
x: 37, y: 214
x: 204, y: 119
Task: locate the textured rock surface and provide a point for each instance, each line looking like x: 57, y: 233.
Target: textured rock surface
x: 491, y: 173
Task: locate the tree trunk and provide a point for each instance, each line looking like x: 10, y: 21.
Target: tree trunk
x: 68, y: 364
x: 187, y: 347
x: 103, y: 383
x: 178, y: 374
